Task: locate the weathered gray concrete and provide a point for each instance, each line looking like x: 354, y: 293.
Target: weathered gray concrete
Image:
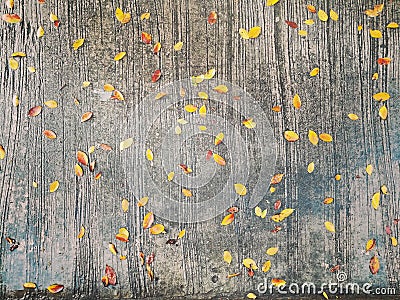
x: 272, y: 68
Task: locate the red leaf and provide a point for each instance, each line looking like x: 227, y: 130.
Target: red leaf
x: 34, y: 111
x: 156, y: 75
x: 111, y: 275
x: 150, y: 259
x: 291, y: 24
x: 212, y: 18
x: 388, y: 230
x: 146, y: 38
x: 209, y: 154
x: 277, y: 204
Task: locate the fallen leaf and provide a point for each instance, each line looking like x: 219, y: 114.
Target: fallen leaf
x: 369, y: 169
x: 218, y: 139
x: 111, y: 275
x: 108, y: 87
x: 392, y: 25
x: 149, y: 155
x: 249, y: 123
x: 394, y: 241
x: 291, y: 136
x: 277, y: 178
x: 119, y: 56
x: 13, y: 63
x: 384, y: 61
x: 30, y: 285
x: 250, y: 264
x: 78, y: 170
x: 227, y: 257
x: 334, y: 16
x: 82, y: 158
x: 157, y: 229
x: 86, y: 116
x: 383, y: 112
x: 156, y: 76
x: 181, y: 233
x: 374, y: 265
x: 40, y: 32
x: 121, y: 16
x: 78, y: 43
x: 2, y: 152
x: 228, y: 219
x: 251, y: 296
x: 244, y: 33
x: 170, y: 176
x: 240, y: 189
x: 157, y: 48
x: 122, y: 235
x: 310, y: 167
x: 322, y: 15
x: 296, y: 101
x: 313, y: 137
x: 353, y: 117
x: 370, y: 245
x: 203, y: 95
x: 309, y: 22
x: 187, y: 193
x: 54, y: 186
x: 272, y: 2
x: 212, y: 18
x: 291, y: 24
x: 219, y: 159
x: 210, y: 74
x: 382, y: 96
x: 272, y: 251
x: 375, y: 200
x: 55, y: 288
x: 266, y: 266
x: 143, y: 201
x: 326, y: 137
x: 314, y: 72
x: 311, y: 8
x: 148, y: 220
x: 278, y: 282
x: 112, y: 248
x: 328, y: 200
x: 145, y: 16
x: 178, y: 46
x: 329, y: 226
x: 375, y: 11
x: 377, y: 34
x: 81, y: 232
x: 302, y: 32
x: 146, y: 37
x: 49, y: 134
x: 190, y: 108
x: 384, y: 189
x: 254, y: 32
x: 11, y: 18
x: 125, y: 144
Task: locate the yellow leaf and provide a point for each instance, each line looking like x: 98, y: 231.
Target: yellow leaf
x: 121, y: 16
x: 171, y: 176
x: 190, y: 108
x: 85, y: 84
x: 322, y: 15
x: 240, y: 189
x: 2, y: 152
x: 228, y: 219
x: 309, y: 22
x: 108, y: 88
x: 370, y: 245
x: 203, y: 95
x: 291, y: 136
x: 112, y: 248
x: 328, y: 200
x: 40, y: 32
x: 353, y: 117
x: 54, y: 186
x: 125, y: 144
x: 178, y: 129
x: 149, y: 155
x: 314, y: 72
x: 313, y: 137
x: 384, y: 189
x: 282, y: 215
x: 78, y: 169
x: 178, y: 46
x: 375, y: 200
x: 218, y: 138
x: 392, y: 25
x: 249, y: 123
x: 125, y: 205
x: 375, y: 76
x: 32, y: 69
x: 272, y: 2
x: 78, y: 43
x: 334, y: 16
x: 143, y: 201
x: 325, y: 295
x: 187, y: 193
x: 266, y: 266
x: 254, y: 32
x: 119, y: 56
x: 81, y: 232
x: 210, y: 74
x: 377, y: 34
x: 148, y: 220
x: 222, y: 89
x: 51, y: 103
x: 394, y: 241
x: 13, y: 64
x: 302, y: 32
x: 310, y: 167
x: 329, y: 226
x: 369, y: 169
x: 250, y: 264
x: 202, y: 127
x: 296, y: 101
x: 203, y: 111
x: 53, y: 17
x: 160, y: 95
x: 145, y: 16
x: 18, y: 54
x: 383, y: 112
x: 272, y: 251
x: 157, y: 229
x: 244, y: 33
x: 326, y: 137
x: 227, y: 257
x: 219, y: 159
x: 251, y: 296
x: 182, y: 233
x: 16, y: 101
x: 30, y: 285
x: 260, y: 213
x: 382, y: 96
x: 359, y: 27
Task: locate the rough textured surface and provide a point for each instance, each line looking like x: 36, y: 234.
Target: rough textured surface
x: 272, y: 68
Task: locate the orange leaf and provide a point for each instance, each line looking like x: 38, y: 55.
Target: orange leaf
x: 49, y: 134
x: 146, y: 37
x: 55, y: 288
x: 326, y: 137
x: 11, y: 18
x: 374, y: 265
x: 34, y: 111
x: 82, y: 158
x: 123, y: 235
x: 54, y: 186
x: 384, y: 61
x: 2, y: 152
x: 187, y: 193
x: 81, y: 232
x: 30, y: 285
x: 148, y: 220
x: 296, y: 101
x: 278, y: 282
x: 291, y: 136
x: 86, y: 116
x: 276, y: 178
x: 228, y: 219
x: 212, y: 18
x: 157, y: 229
x: 219, y: 159
x: 157, y: 48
